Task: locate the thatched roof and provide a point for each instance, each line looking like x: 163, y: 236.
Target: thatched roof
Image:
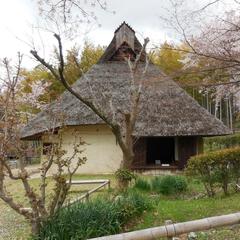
x: 165, y: 108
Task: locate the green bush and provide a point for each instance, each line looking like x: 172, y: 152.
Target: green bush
x: 180, y: 184
x: 124, y: 177
x: 216, y: 168
x: 132, y: 204
x: 169, y: 184
x: 222, y: 142
x: 95, y: 218
x: 142, y: 184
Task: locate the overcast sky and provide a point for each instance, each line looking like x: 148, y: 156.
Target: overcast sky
x: 17, y: 17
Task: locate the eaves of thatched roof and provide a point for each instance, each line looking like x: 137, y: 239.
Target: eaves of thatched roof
x: 165, y: 108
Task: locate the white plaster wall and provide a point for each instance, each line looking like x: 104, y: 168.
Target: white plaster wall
x: 102, y: 152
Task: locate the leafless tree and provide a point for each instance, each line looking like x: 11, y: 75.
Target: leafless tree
x: 37, y: 209
x: 123, y: 132
x: 69, y: 16
x: 124, y: 129
x: 71, y: 11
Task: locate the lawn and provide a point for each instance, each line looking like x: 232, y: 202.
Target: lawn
x: 179, y: 210
x: 189, y: 206
x: 13, y: 226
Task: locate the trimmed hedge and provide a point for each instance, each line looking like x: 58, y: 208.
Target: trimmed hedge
x: 216, y: 168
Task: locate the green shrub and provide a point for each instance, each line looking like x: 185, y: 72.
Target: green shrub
x: 214, y: 168
x: 142, y: 184
x: 222, y: 142
x: 132, y: 204
x: 124, y: 177
x: 95, y: 218
x: 180, y: 184
x: 169, y: 184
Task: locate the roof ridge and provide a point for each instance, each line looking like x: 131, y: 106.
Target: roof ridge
x: 124, y: 23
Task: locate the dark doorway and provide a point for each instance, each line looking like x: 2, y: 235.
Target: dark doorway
x: 187, y: 148
x: 160, y: 151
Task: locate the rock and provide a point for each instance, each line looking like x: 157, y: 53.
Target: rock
x: 234, y: 227
x: 192, y: 236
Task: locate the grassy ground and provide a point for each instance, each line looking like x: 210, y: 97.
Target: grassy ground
x: 192, y: 205
x: 13, y: 226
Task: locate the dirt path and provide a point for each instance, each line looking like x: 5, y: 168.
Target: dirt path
x: 12, y: 225
x: 34, y: 170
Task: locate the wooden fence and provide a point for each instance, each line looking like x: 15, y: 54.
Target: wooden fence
x: 85, y: 196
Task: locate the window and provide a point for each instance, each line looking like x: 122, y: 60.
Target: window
x: 47, y: 147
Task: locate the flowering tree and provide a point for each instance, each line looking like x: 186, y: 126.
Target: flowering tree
x: 211, y: 48
x: 31, y: 98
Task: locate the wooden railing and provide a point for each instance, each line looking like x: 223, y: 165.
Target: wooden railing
x: 172, y: 230
x: 85, y: 196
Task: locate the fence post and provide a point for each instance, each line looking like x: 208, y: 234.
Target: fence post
x: 87, y: 196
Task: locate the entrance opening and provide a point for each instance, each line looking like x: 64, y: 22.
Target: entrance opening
x: 160, y: 151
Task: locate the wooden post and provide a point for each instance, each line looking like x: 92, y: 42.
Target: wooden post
x: 87, y: 196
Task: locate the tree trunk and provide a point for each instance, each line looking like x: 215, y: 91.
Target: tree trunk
x: 225, y: 185
x: 225, y: 189
x: 35, y: 227
x: 123, y: 184
x: 220, y: 110
x: 230, y: 114
x: 127, y: 160
x: 128, y: 155
x: 227, y: 113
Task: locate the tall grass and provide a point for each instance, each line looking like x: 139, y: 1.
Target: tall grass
x: 142, y: 184
x: 169, y: 184
x: 95, y: 218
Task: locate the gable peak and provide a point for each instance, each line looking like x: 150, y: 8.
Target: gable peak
x: 123, y: 45
x: 124, y: 34
x: 123, y: 26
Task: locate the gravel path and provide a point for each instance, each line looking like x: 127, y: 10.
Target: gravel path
x: 12, y: 225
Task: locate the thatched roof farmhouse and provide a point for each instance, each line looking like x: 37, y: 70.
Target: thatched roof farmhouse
x: 170, y: 125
